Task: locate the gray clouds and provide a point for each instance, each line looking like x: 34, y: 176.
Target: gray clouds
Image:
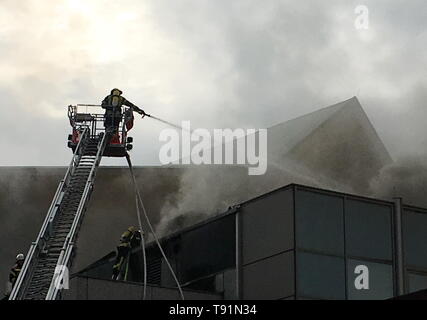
x: 216, y: 63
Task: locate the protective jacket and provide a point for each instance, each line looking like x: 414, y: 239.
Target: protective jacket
x: 114, y: 103
x: 14, y: 273
x: 128, y: 241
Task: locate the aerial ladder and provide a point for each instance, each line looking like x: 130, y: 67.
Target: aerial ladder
x: 50, y: 256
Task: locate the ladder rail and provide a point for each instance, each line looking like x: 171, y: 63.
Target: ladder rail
x: 37, y: 246
x: 67, y: 249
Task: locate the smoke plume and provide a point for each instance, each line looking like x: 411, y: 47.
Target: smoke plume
x: 406, y: 178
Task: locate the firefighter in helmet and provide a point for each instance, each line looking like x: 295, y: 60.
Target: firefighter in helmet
x: 129, y: 240
x: 113, y: 104
x: 14, y: 273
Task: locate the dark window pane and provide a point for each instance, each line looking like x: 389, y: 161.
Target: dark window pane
x: 319, y: 222
x: 221, y: 283
x: 415, y: 238
x: 320, y: 277
x: 206, y: 250
x: 380, y: 280
x: 270, y: 279
x: 267, y: 225
x: 417, y: 281
x: 365, y: 224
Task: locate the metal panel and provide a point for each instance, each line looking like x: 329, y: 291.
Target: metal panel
x: 114, y: 290
x: 164, y: 294
x: 230, y: 288
x: 270, y: 279
x: 77, y: 290
x: 399, y: 261
x: 267, y: 225
x: 95, y: 289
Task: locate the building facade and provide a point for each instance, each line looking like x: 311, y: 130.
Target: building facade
x: 296, y: 242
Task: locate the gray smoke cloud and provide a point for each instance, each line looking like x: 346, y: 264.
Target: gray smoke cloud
x: 406, y: 178
x: 205, y: 191
x: 219, y: 64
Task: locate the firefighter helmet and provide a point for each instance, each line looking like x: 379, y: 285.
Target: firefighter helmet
x: 132, y: 229
x: 116, y: 92
x: 20, y: 257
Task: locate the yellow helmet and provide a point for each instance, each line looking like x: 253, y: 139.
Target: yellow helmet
x: 116, y: 92
x: 132, y: 229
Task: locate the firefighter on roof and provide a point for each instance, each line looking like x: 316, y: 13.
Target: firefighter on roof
x: 14, y: 273
x: 129, y: 240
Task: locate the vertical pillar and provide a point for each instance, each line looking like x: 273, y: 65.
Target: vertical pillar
x: 398, y: 248
x: 239, y: 257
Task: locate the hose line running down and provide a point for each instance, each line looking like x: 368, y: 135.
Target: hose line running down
x: 141, y: 204
x: 144, y: 256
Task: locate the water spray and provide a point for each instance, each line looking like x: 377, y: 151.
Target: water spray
x: 169, y: 123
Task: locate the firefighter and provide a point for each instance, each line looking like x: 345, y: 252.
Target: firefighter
x: 129, y: 240
x: 113, y: 104
x: 14, y: 273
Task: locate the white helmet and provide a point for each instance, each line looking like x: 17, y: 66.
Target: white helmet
x: 20, y: 257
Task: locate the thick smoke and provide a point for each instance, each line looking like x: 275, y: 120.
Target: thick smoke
x: 405, y: 178
x: 335, y: 149
x: 205, y: 191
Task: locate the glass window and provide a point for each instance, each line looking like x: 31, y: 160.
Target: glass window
x: 379, y: 280
x: 222, y: 283
x: 269, y: 279
x: 206, y: 250
x: 320, y: 276
x: 415, y: 238
x: 417, y: 281
x: 267, y: 226
x: 367, y: 223
x: 319, y: 222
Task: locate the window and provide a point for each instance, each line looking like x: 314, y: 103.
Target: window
x: 272, y: 278
x: 379, y: 279
x: 367, y: 223
x: 415, y: 238
x: 206, y: 250
x: 267, y: 226
x: 320, y: 276
x: 417, y: 281
x: 319, y: 222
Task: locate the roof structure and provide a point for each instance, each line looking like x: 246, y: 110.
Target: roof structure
x: 338, y: 142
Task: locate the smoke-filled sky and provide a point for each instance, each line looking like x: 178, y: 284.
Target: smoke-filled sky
x: 240, y: 63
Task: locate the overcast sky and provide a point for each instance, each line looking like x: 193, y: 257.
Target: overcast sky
x: 217, y: 63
